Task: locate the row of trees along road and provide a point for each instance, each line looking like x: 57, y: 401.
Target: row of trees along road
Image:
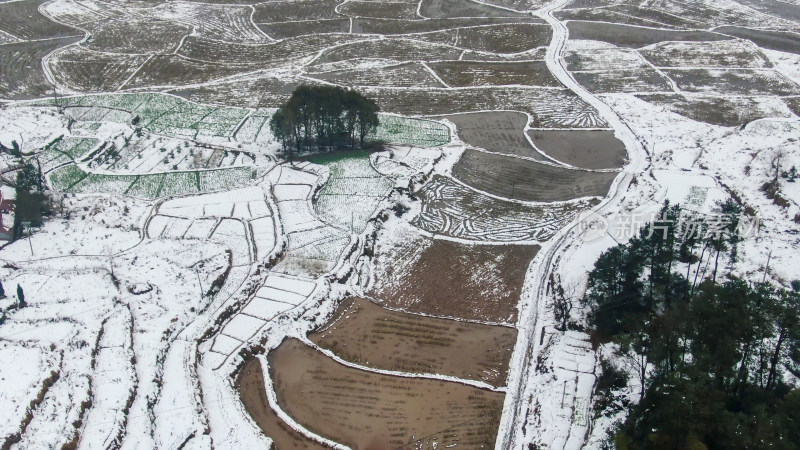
x: 324, y: 117
x: 715, y: 358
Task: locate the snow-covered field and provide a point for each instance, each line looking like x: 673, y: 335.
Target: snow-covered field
x: 182, y: 244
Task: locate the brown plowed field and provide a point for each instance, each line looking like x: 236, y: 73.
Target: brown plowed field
x: 438, y: 277
x: 528, y: 180
x: 363, y: 333
x: 496, y: 131
x: 251, y: 391
x: 365, y: 410
x: 579, y: 148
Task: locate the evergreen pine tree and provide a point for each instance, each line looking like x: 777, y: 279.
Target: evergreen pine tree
x: 2, y: 290
x: 21, y: 296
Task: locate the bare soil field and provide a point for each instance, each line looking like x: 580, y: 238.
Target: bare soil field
x: 550, y: 108
x: 263, y: 91
x: 662, y: 18
x: 495, y: 131
x: 137, y: 36
x: 379, y: 10
x: 231, y: 23
x: 21, y: 73
x: 24, y: 21
x: 633, y: 36
x: 451, y: 209
x: 442, y: 9
x: 402, y: 75
x: 503, y: 38
x: 366, y: 334
x: 260, y: 54
x: 172, y: 70
x: 283, y: 30
x: 587, y: 149
x: 284, y: 11
x: 400, y: 50
x: 623, y: 81
x: 735, y: 53
x: 627, y: 15
x: 733, y: 81
x: 527, y: 180
x: 774, y: 40
x: 366, y: 410
x: 444, y: 278
x: 250, y: 383
x: 478, y: 73
x: 729, y: 112
x: 86, y: 71
x: 538, y: 53
x: 596, y: 59
x: 390, y: 27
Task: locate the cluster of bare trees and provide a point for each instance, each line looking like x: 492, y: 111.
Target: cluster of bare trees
x: 324, y: 117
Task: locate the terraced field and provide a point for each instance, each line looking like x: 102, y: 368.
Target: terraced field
x: 352, y: 298
x: 369, y: 335
x: 380, y: 409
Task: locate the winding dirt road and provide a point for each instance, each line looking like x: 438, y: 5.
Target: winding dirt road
x: 517, y: 408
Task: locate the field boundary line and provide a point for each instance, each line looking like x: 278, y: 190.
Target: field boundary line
x: 400, y: 374
x: 135, y: 72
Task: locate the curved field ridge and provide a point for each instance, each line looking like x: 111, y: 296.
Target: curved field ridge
x: 528, y: 180
x: 451, y: 209
x: 361, y: 409
x: 362, y: 333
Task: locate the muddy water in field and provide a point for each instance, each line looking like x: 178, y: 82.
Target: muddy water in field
x: 579, y: 148
x: 365, y: 410
x: 366, y: 334
x: 251, y: 390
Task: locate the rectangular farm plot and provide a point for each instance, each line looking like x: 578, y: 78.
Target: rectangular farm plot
x: 301, y: 287
x: 200, y: 229
x: 733, y: 81
x: 379, y: 10
x: 603, y: 59
x: 225, y: 344
x: 279, y: 295
x: 433, y: 276
x: 736, y: 53
x: 478, y: 73
x: 361, y: 332
x: 623, y: 81
x: 362, y: 409
x: 263, y: 236
x: 242, y: 327
x: 265, y: 309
